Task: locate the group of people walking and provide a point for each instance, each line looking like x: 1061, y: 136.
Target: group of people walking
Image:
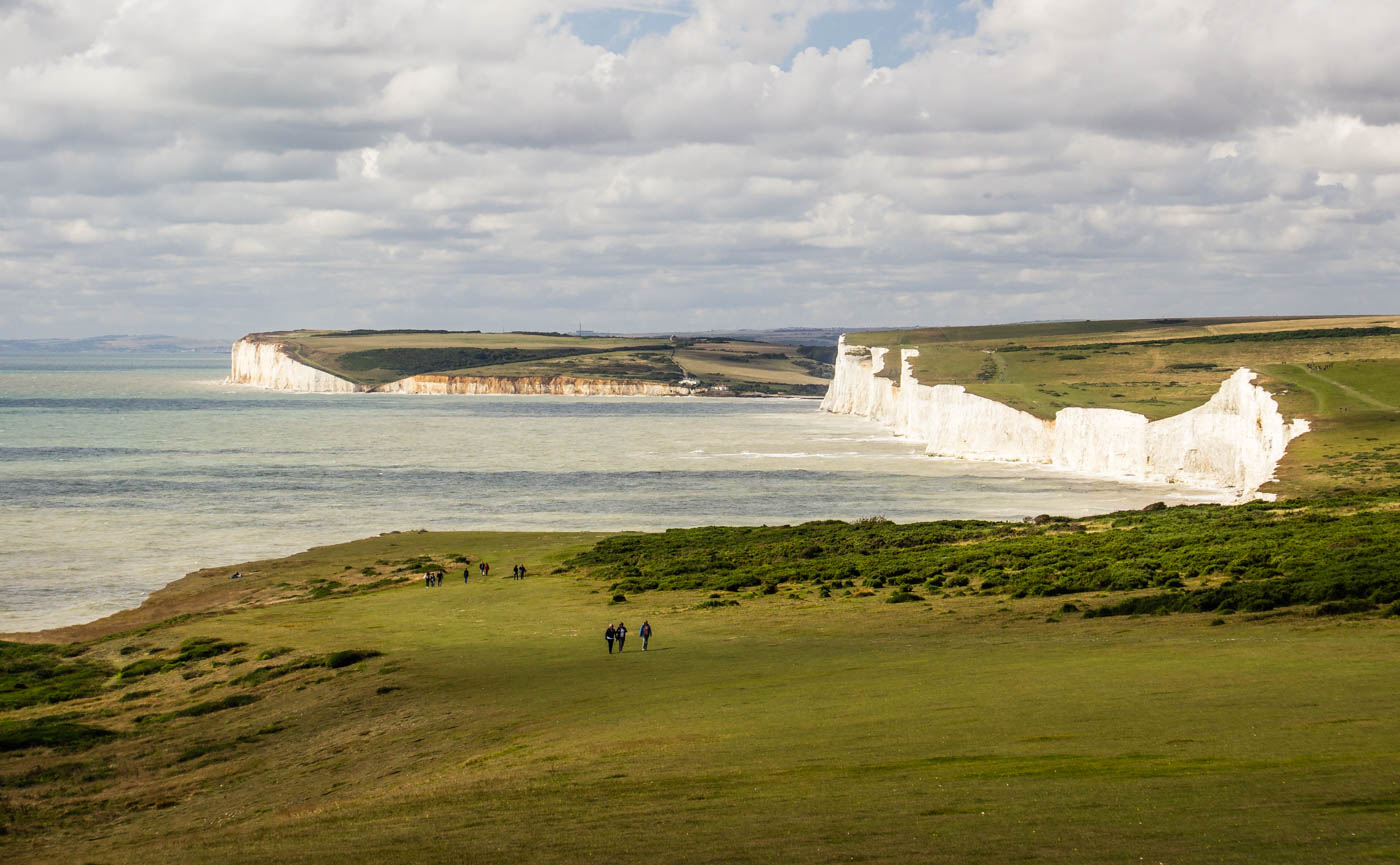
x: 434, y: 578
x: 618, y: 634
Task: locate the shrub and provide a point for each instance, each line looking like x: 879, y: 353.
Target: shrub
x: 199, y: 648
x: 232, y: 701
x: 71, y: 772
x: 619, y: 598
x: 1340, y: 608
x: 143, y: 667
x: 57, y: 731
x: 336, y: 660
x: 902, y: 597
x: 713, y: 604
x: 32, y: 675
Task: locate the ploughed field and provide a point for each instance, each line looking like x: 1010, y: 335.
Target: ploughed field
x: 717, y: 365
x: 1340, y: 373
x: 1167, y: 685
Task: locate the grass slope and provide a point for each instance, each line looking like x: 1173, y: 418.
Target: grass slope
x: 724, y: 365
x: 1341, y: 373
x: 492, y: 724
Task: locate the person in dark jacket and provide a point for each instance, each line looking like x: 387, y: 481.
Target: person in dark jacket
x: 621, y: 635
x: 610, y: 634
x: 646, y: 634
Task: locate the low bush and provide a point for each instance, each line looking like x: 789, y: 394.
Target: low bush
x: 199, y: 648
x: 33, y: 675
x: 232, y: 701
x: 143, y: 667
x: 69, y: 772
x: 58, y: 731
x: 336, y: 660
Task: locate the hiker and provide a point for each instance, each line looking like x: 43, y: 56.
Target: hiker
x: 515, y: 572
x: 485, y: 569
x: 427, y: 579
x: 522, y: 572
x: 608, y: 635
x: 646, y: 634
x: 466, y: 575
x: 621, y: 635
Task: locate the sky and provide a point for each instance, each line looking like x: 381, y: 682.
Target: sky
x: 210, y: 168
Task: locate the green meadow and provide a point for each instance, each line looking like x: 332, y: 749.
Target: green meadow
x: 329, y: 708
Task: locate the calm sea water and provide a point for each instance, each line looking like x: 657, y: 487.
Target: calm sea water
x: 120, y: 473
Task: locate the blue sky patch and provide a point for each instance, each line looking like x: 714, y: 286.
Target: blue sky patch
x: 896, y: 29
x: 893, y: 31
x: 616, y: 29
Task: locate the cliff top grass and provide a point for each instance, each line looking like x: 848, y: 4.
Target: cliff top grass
x: 1340, y: 373
x: 380, y: 357
x: 963, y: 724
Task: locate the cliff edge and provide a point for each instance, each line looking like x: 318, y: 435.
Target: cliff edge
x: 1232, y: 442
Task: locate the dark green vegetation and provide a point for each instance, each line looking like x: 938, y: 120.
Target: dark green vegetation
x: 1341, y: 374
x: 718, y: 366
x: 32, y: 675
x: 1343, y: 550
x: 880, y: 721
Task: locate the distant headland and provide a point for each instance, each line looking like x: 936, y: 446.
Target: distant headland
x: 447, y: 362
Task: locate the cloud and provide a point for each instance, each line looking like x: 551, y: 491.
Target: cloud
x: 235, y: 166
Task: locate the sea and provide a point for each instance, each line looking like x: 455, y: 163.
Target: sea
x: 122, y: 472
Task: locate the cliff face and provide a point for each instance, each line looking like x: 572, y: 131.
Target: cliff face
x: 1233, y: 442
x: 558, y: 385
x: 266, y: 364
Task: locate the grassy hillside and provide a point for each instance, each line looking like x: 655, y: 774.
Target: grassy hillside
x: 1342, y: 374
x: 721, y: 365
x: 480, y: 721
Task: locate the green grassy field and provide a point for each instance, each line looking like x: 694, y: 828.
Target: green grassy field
x: 1341, y: 374
x: 720, y: 365
x: 782, y: 725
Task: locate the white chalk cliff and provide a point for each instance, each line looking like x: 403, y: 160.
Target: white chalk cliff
x: 267, y: 364
x: 1232, y: 442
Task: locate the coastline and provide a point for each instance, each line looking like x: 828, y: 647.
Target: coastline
x: 1233, y: 442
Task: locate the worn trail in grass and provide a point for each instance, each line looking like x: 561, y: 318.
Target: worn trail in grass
x: 964, y: 729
